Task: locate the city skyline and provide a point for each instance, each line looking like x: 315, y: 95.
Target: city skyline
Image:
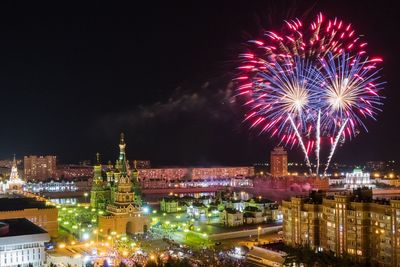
x: 199, y: 133
x: 78, y: 80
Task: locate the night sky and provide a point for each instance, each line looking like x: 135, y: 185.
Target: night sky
x: 72, y: 77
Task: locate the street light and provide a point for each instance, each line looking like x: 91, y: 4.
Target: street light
x: 85, y: 195
x: 258, y: 234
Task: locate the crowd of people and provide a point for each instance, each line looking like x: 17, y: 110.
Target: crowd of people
x: 174, y: 254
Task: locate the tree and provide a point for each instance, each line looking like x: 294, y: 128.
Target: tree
x: 308, y: 257
x: 291, y: 257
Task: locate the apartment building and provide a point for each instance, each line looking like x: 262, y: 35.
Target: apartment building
x: 351, y: 223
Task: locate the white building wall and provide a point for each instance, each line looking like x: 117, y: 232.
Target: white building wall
x: 22, y: 254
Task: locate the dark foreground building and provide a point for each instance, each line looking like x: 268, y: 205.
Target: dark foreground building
x: 22, y: 243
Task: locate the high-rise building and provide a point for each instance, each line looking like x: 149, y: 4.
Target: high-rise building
x: 39, y: 167
x: 142, y: 164
x: 279, y: 163
x: 349, y: 223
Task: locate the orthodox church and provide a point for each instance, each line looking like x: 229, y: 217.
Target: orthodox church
x: 118, y: 194
x: 14, y: 183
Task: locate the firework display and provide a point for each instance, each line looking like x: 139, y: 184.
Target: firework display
x: 310, y: 85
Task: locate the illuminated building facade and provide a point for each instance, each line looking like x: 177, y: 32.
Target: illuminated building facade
x: 100, y: 194
x: 39, y: 167
x: 221, y: 172
x: 165, y: 177
x: 172, y: 204
x: 391, y: 182
x: 22, y: 243
x: 55, y: 186
x: 176, y: 204
x: 14, y: 183
x: 357, y: 178
x: 279, y: 163
x: 70, y: 171
x: 231, y: 217
x: 121, y: 196
x: 337, y: 181
x: 241, y: 182
x: 197, y: 210
x: 35, y: 211
x: 349, y: 223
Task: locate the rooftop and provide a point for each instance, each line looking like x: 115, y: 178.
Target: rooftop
x: 260, y: 200
x: 20, y: 226
x: 198, y: 205
x: 171, y: 198
x: 381, y: 201
x: 20, y: 203
x: 232, y: 211
x: 249, y: 215
x: 252, y: 209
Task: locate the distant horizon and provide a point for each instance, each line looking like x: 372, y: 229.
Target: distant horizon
x: 105, y: 162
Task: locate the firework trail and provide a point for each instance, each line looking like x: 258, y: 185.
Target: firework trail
x: 318, y: 137
x: 301, y: 143
x: 335, y: 144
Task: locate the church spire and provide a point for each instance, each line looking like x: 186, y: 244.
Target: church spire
x: 136, y: 185
x: 98, y: 158
x: 14, y: 176
x: 122, y: 144
x: 122, y: 155
x: 97, y: 176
